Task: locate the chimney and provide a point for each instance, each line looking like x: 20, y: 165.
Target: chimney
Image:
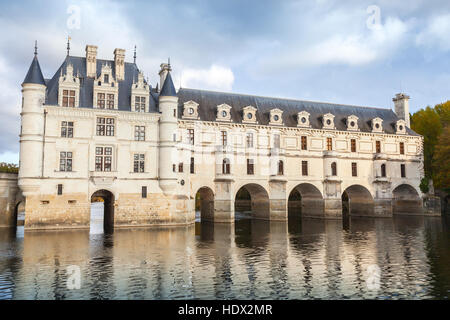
x: 91, y: 61
x: 165, y: 68
x: 401, y: 102
x: 119, y: 63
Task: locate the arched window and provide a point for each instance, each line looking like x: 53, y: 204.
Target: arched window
x: 333, y: 169
x: 383, y: 170
x: 280, y: 168
x: 226, y: 166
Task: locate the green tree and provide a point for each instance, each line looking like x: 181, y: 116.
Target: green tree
x: 443, y: 110
x: 441, y: 161
x: 8, y: 167
x: 427, y: 123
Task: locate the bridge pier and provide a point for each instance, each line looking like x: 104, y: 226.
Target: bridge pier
x: 8, y: 195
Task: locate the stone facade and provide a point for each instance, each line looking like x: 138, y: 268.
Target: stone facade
x: 151, y: 151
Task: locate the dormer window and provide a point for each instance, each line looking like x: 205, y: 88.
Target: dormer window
x: 139, y: 95
x: 276, y: 117
x: 68, y: 99
x: 352, y: 123
x: 303, y: 119
x: 223, y: 112
x: 328, y: 121
x: 400, y: 127
x: 69, y: 88
x: 377, y: 125
x: 249, y: 114
x: 106, y: 92
x: 190, y: 110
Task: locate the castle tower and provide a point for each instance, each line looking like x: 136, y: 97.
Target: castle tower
x: 32, y: 129
x: 168, y: 104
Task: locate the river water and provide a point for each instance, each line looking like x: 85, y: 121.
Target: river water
x: 358, y: 258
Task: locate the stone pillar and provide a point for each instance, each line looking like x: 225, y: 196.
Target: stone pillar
x: 278, y: 199
x: 332, y: 199
x: 8, y: 191
x: 383, y: 200
x: 223, y: 201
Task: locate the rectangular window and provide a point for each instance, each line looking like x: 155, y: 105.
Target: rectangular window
x: 105, y: 126
x: 139, y: 133
x: 144, y: 192
x: 192, y: 165
x: 250, y: 166
x: 191, y: 136
x: 174, y: 168
x: 383, y: 170
x: 139, y: 162
x: 276, y: 141
x: 403, y: 170
x: 139, y: 104
x: 402, y: 148
x: 110, y: 101
x: 106, y: 78
x: 329, y: 144
x: 353, y: 145
x: 60, y: 188
x: 354, y: 169
x: 68, y: 98
x: 249, y: 140
x: 180, y: 167
x: 304, y: 168
x: 101, y: 100
x: 378, y: 146
x: 224, y: 138
x: 103, y: 158
x: 304, y: 144
x: 67, y: 129
x: 65, y: 161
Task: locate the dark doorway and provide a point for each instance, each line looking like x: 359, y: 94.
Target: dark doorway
x: 107, y: 198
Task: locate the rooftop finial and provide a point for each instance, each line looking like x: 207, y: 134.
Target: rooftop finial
x: 134, y: 57
x: 35, y: 48
x: 168, y: 62
x: 68, y: 45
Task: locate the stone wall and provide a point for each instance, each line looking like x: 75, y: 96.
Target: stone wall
x: 8, y: 195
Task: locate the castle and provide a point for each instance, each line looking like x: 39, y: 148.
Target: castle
x: 97, y: 128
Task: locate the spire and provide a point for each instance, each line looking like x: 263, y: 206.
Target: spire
x: 168, y: 89
x: 68, y: 46
x: 34, y: 74
x: 134, y: 57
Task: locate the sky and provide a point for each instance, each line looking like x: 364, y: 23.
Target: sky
x: 354, y: 52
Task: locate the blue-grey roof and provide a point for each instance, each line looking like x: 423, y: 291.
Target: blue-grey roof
x: 87, y: 84
x: 168, y: 89
x: 34, y: 74
x: 209, y: 100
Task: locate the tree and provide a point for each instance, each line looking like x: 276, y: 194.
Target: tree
x: 443, y: 110
x: 441, y: 161
x: 8, y: 167
x: 427, y: 123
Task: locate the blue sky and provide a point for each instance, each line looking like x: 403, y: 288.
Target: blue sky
x: 351, y: 52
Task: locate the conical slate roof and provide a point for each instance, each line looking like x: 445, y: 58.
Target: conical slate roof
x: 168, y: 89
x: 34, y: 74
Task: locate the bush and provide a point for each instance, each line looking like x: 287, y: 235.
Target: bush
x: 8, y: 167
x: 424, y: 184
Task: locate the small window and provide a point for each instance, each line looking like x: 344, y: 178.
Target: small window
x: 60, y: 189
x: 402, y: 148
x: 101, y: 101
x: 224, y: 138
x: 191, y: 136
x: 65, y: 161
x: 280, y: 168
x: 192, y: 165
x: 383, y: 170
x: 226, y: 166
x: 139, y: 133
x: 68, y: 98
x: 378, y: 146
x: 334, y: 169
x: 250, y: 167
x: 353, y: 145
x: 110, y: 101
x: 67, y: 129
x: 139, y: 162
x: 174, y: 112
x: 106, y: 78
x: 403, y: 170
x: 144, y: 192
x: 304, y: 144
x: 354, y: 169
x: 249, y: 139
x: 139, y: 104
x: 103, y: 159
x: 105, y: 126
x: 180, y: 167
x: 174, y: 168
x: 329, y: 144
x: 304, y: 168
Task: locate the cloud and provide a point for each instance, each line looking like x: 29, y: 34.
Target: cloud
x: 436, y: 33
x: 215, y: 78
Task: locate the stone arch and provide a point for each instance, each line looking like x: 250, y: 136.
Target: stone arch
x: 406, y: 200
x: 204, y: 201
x: 259, y: 203
x: 108, y: 208
x: 306, y: 200
x: 19, y: 221
x: 357, y: 201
